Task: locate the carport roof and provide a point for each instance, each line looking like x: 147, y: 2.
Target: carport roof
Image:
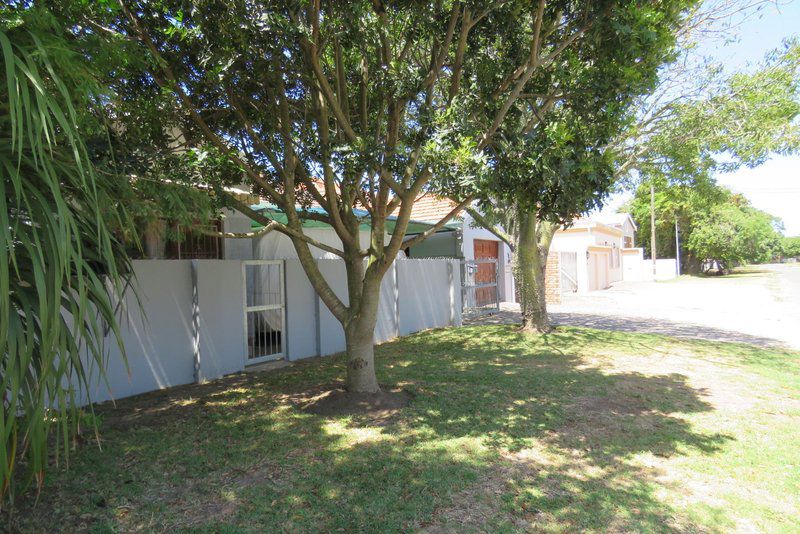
x: 273, y: 212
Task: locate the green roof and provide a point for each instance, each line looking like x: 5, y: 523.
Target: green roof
x: 273, y: 212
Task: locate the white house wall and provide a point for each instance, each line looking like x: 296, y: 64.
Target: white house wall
x: 426, y: 295
x: 608, y: 237
x: 277, y: 246
x: 237, y: 248
x: 579, y: 240
x: 178, y: 324
x: 579, y: 243
x: 416, y: 294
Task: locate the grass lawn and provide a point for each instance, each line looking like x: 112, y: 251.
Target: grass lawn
x: 578, y: 430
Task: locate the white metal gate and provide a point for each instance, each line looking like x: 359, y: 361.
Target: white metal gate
x: 264, y: 310
x: 479, y: 288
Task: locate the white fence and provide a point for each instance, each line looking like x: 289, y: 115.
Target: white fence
x: 193, y: 326
x: 637, y: 269
x: 416, y: 294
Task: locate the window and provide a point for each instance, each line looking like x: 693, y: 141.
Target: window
x: 195, y: 245
x: 162, y: 241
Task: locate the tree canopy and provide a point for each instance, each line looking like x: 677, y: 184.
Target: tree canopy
x: 714, y: 224
x: 733, y: 233
x: 352, y: 105
x: 790, y: 246
x: 550, y: 162
x: 702, y: 121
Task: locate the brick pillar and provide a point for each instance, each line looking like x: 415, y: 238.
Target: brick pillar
x: 552, y: 279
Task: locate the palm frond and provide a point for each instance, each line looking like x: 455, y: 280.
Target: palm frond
x: 61, y: 269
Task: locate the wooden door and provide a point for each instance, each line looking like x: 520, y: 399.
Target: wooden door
x: 486, y: 273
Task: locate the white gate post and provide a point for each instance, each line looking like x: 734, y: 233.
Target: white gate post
x: 451, y: 297
x: 397, y: 296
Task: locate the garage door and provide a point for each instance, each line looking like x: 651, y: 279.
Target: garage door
x: 598, y: 270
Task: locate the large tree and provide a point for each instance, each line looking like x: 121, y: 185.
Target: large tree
x: 548, y: 169
x: 713, y: 223
x: 678, y: 144
x: 790, y: 247
x: 735, y: 233
x: 535, y: 192
x: 695, y: 121
x: 372, y: 98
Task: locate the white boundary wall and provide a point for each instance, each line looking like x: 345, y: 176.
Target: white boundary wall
x: 416, y: 294
x: 638, y: 269
x: 179, y: 325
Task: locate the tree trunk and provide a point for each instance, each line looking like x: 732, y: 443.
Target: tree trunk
x: 361, y: 376
x: 359, y: 333
x: 529, y: 272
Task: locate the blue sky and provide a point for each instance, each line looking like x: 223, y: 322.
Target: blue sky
x: 775, y: 186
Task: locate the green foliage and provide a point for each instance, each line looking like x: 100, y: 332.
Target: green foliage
x: 684, y: 201
x: 790, y: 247
x: 713, y: 224
x: 61, y: 267
x: 689, y: 129
x: 551, y: 153
x: 732, y: 233
x: 549, y: 163
x: 374, y: 99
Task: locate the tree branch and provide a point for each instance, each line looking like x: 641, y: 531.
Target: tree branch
x: 282, y: 228
x: 481, y: 220
x: 190, y: 107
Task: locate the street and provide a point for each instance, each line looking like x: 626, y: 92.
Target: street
x: 758, y: 305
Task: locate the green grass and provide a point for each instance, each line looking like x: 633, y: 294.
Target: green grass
x: 579, y: 430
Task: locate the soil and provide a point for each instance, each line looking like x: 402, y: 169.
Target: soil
x: 338, y: 402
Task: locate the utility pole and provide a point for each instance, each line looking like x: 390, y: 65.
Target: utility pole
x: 653, y: 227
x: 677, y: 247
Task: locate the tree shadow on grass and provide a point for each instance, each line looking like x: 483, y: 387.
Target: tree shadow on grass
x: 504, y: 431
x: 570, y: 432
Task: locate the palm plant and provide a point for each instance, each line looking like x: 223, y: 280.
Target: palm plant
x: 61, y: 269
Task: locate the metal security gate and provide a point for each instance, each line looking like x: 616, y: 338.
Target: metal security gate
x: 264, y: 310
x: 568, y: 262
x: 479, y: 288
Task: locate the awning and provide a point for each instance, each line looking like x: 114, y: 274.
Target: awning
x: 271, y: 211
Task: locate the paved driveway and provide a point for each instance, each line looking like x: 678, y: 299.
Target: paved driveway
x: 761, y: 306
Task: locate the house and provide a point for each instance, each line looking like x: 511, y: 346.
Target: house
x: 463, y: 238
x: 590, y: 254
x: 590, y: 251
x: 205, y: 306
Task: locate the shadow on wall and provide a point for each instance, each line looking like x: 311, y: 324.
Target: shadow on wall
x: 165, y: 293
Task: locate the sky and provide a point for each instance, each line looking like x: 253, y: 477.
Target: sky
x: 773, y: 187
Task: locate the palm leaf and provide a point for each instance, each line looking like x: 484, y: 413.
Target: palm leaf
x: 61, y: 269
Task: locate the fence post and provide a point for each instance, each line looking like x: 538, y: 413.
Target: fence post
x: 317, y: 319
x: 451, y: 292
x: 195, y: 322
x: 397, y: 296
x: 497, y: 285
x: 284, y: 318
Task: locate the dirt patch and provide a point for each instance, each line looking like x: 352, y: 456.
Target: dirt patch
x: 376, y: 406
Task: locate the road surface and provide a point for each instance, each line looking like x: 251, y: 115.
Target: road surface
x: 759, y: 306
